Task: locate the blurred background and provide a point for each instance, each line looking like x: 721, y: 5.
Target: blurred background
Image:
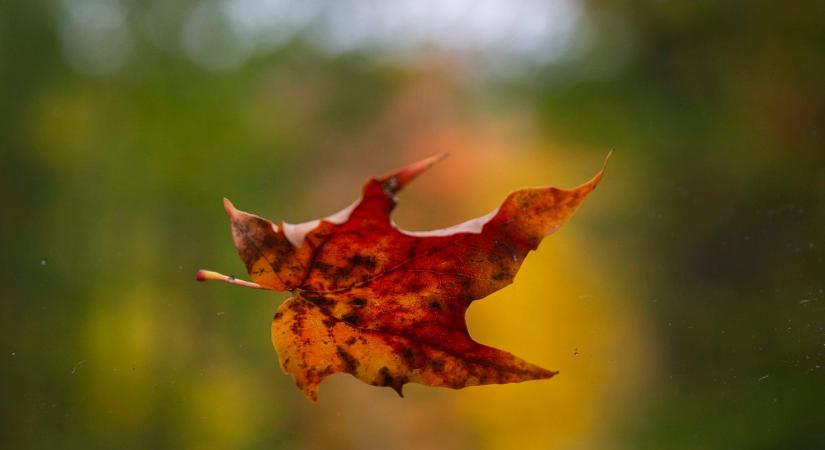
x: 683, y: 305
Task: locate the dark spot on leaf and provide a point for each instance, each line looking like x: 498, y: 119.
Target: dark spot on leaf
x: 341, y: 272
x: 385, y: 378
x: 317, y: 299
x: 327, y: 371
x: 416, y: 285
x: 367, y: 262
x: 352, y: 318
x: 321, y: 267
x: 390, y: 186
x: 500, y: 276
x: 408, y: 356
x: 358, y: 302
x: 350, y: 363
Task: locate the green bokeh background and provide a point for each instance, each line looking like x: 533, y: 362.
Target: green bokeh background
x: 111, y: 181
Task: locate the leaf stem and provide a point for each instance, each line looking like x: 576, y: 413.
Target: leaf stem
x: 208, y: 275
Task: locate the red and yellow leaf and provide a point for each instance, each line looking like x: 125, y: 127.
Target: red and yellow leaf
x: 387, y: 305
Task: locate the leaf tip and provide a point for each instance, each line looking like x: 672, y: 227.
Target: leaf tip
x: 607, y: 158
x: 311, y: 393
x: 591, y: 184
x: 549, y: 374
x: 228, y: 207
x: 399, y: 390
x: 540, y: 373
x: 439, y: 157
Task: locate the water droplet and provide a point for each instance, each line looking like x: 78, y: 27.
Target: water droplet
x: 43, y: 262
x: 78, y: 366
x: 763, y: 377
x: 575, y: 352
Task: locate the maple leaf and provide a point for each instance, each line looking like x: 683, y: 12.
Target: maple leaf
x: 387, y: 305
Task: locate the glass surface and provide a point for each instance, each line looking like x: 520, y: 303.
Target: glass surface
x: 683, y: 304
